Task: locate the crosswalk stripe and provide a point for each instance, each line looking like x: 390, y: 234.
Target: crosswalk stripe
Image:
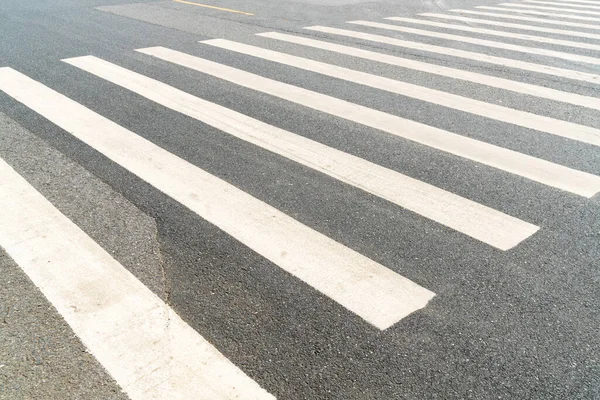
x: 505, y: 62
x: 473, y: 219
x: 581, y: 1
x: 551, y: 3
x: 500, y: 113
x: 370, y: 290
x: 529, y: 19
x: 507, y: 160
x: 551, y: 9
x: 492, y: 81
x: 119, y: 320
x: 482, y: 42
x: 535, y: 12
x: 511, y: 25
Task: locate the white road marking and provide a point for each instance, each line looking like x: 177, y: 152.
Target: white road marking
x: 482, y: 42
x: 516, y: 117
x: 551, y: 9
x: 511, y: 25
x: 581, y: 1
x: 491, y: 32
x: 473, y: 219
x: 530, y: 19
x: 142, y: 343
x: 368, y: 289
x: 492, y: 81
x: 551, y: 3
x: 547, y: 14
x: 505, y: 62
x: 507, y: 160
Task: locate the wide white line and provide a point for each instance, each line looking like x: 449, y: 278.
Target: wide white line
x: 492, y: 81
x: 505, y: 62
x: 511, y: 161
x: 370, y: 290
x: 551, y: 3
x: 547, y: 14
x: 551, y: 9
x: 142, y: 343
x: 511, y: 25
x: 482, y: 42
x: 473, y: 219
x: 530, y: 19
x: 525, y: 119
x: 491, y: 32
x: 580, y: 1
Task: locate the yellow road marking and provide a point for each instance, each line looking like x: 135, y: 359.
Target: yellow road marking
x: 213, y: 7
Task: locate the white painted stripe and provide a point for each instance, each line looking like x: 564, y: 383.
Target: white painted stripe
x: 580, y: 1
x: 511, y: 161
x: 530, y: 19
x: 515, y: 26
x: 142, y: 343
x: 368, y: 289
x: 516, y: 117
x: 480, y: 222
x: 534, y: 12
x: 505, y: 62
x: 551, y: 9
x: 551, y: 3
x: 492, y: 81
x: 481, y: 42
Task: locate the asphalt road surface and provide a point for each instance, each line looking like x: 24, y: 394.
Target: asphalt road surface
x: 245, y: 199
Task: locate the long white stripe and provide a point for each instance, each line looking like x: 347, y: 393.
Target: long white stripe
x: 547, y: 14
x: 468, y: 217
x: 368, y: 289
x: 140, y: 341
x: 492, y: 81
x: 530, y: 19
x: 511, y: 161
x: 581, y: 1
x: 482, y: 42
x: 552, y: 9
x: 551, y: 3
x: 505, y: 62
x: 516, y: 117
x: 515, y: 26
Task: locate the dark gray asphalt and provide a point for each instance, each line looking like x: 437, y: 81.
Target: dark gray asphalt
x: 521, y: 324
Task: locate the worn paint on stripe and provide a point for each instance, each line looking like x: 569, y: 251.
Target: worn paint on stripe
x: 529, y: 19
x: 511, y: 161
x: 370, y: 290
x: 547, y: 14
x: 551, y: 3
x: 147, y: 348
x: 482, y: 42
x: 213, y: 7
x: 492, y: 81
x: 567, y: 10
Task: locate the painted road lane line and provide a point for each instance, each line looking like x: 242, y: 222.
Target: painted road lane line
x: 528, y: 120
x: 473, y: 219
x: 453, y: 73
x: 491, y: 32
x: 581, y: 1
x: 505, y: 62
x: 551, y: 3
x: 370, y: 290
x: 149, y: 351
x: 514, y: 26
x: 529, y: 19
x: 547, y: 14
x: 213, y: 7
x: 482, y: 42
x: 507, y: 160
x: 567, y: 10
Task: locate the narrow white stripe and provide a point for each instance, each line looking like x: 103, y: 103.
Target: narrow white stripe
x: 534, y: 12
x: 551, y: 3
x: 492, y: 81
x: 468, y: 217
x: 530, y: 19
x: 370, y: 290
x: 482, y: 42
x: 505, y: 62
x: 515, y: 26
x: 511, y: 161
x: 580, y: 1
x: 552, y: 9
x: 142, y: 343
x: 516, y: 117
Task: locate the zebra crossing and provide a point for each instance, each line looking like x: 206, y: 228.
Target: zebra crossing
x: 36, y: 234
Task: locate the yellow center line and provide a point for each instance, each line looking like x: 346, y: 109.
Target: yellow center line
x: 213, y: 7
